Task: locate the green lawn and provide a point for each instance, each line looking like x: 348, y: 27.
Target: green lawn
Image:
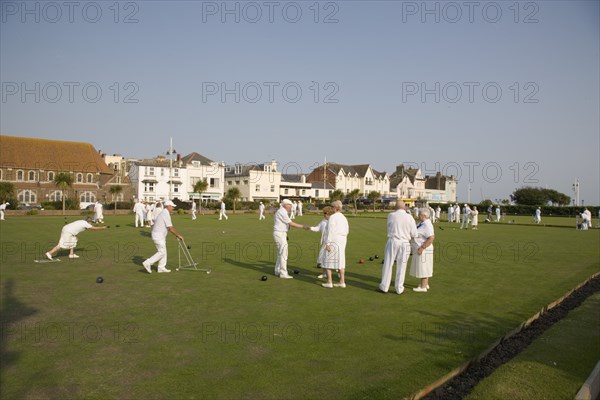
x: 555, y: 365
x: 229, y: 335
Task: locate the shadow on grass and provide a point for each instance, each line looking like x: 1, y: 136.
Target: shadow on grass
x: 11, y: 312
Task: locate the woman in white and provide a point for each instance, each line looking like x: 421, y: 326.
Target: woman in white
x: 335, y: 245
x: 322, y: 227
x: 421, y: 265
x: 475, y: 217
x: 261, y: 209
x: 193, y: 209
x: 222, y: 213
x: 99, y: 214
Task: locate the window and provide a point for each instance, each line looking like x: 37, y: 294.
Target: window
x: 176, y: 188
x: 19, y: 175
x: 31, y: 176
x: 257, y: 189
x: 245, y: 181
x: 56, y: 196
x: 285, y: 191
x: 79, y: 178
x: 176, y: 172
x: 237, y: 182
x: 50, y: 176
x: 214, y: 182
x: 229, y: 182
x: 118, y: 179
x: 151, y: 171
x: 27, y: 196
x: 149, y: 187
x: 272, y: 188
x: 267, y: 168
x: 317, y: 193
x: 89, y: 178
x: 87, y: 197
x: 303, y: 192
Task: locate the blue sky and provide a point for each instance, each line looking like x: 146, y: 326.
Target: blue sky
x: 503, y: 94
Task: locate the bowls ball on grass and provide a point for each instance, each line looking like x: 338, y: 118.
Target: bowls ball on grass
x: 263, y: 278
x: 99, y: 279
x: 296, y: 271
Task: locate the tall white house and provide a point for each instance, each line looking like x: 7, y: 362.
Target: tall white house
x: 254, y: 181
x: 159, y: 179
x: 200, y: 168
x: 350, y: 177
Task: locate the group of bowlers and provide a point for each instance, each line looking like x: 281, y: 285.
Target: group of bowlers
x: 404, y: 237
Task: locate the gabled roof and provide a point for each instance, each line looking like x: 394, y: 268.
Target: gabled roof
x: 245, y: 169
x: 358, y: 170
x: 296, y: 178
x: 51, y: 155
x: 319, y: 185
x: 196, y: 157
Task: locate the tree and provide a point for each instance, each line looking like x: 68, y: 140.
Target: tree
x: 7, y: 192
x: 200, y: 187
x: 354, y: 196
x: 234, y: 194
x: 114, y: 191
x: 336, y: 195
x: 63, y: 181
x: 374, y: 196
x: 538, y: 196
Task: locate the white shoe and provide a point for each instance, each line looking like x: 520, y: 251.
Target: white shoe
x: 340, y: 285
x: 427, y: 287
x: 73, y: 256
x: 49, y: 256
x: 147, y: 266
x: 160, y: 271
x: 286, y: 277
x: 420, y: 289
x: 321, y: 276
x: 327, y: 285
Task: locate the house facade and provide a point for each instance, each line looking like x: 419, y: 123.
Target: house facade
x: 350, y: 177
x: 158, y: 179
x: 200, y: 168
x: 410, y: 185
x: 254, y: 181
x: 32, y: 165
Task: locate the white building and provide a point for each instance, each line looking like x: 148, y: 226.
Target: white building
x: 295, y: 186
x: 199, y: 168
x: 410, y: 185
x: 158, y: 179
x: 350, y: 177
x: 254, y: 181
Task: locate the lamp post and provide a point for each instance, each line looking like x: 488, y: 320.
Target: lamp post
x: 170, y: 153
x: 576, y: 191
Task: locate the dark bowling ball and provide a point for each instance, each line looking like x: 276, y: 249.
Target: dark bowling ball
x: 189, y: 247
x: 116, y: 226
x: 376, y: 256
x: 370, y: 258
x: 263, y: 278
x: 296, y: 271
x: 99, y: 279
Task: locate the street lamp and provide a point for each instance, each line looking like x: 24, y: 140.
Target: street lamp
x: 171, y: 152
x: 576, y: 191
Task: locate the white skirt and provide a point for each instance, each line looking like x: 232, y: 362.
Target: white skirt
x: 336, y: 258
x: 421, y: 266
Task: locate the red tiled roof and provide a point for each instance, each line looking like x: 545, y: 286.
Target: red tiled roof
x: 51, y: 155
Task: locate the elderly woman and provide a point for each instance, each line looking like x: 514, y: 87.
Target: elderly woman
x: 422, y: 260
x: 335, y: 245
x: 322, y: 227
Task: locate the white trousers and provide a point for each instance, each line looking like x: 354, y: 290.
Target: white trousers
x: 139, y: 217
x: 261, y: 216
x: 160, y: 255
x: 222, y: 214
x: 282, y: 253
x: 1, y: 215
x: 399, y: 251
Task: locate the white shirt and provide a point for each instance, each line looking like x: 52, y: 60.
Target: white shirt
x: 261, y: 207
x: 424, y: 231
x: 193, y: 205
x: 2, y: 207
x: 222, y: 206
x: 322, y: 227
x: 282, y: 220
x: 161, y: 225
x: 138, y: 208
x: 538, y: 213
x: 337, y: 228
x: 75, y: 228
x: 97, y: 207
x: 401, y: 226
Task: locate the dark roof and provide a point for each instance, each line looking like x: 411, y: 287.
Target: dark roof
x: 246, y: 168
x: 359, y: 169
x: 196, y: 157
x: 297, y: 178
x: 52, y: 155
